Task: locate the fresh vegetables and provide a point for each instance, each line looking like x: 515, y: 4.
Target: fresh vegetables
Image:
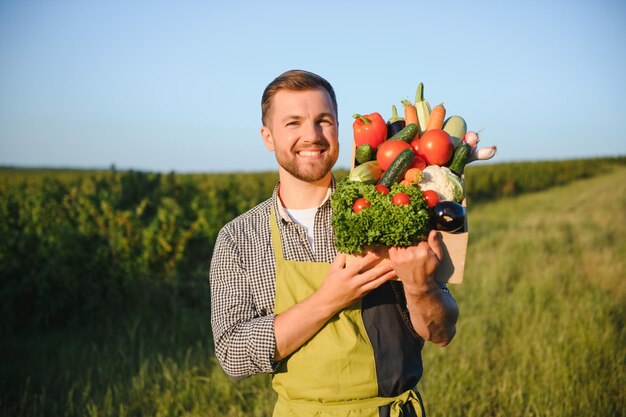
x: 410, y: 116
x: 449, y: 216
x: 368, y: 172
x: 370, y: 128
x: 381, y: 223
x: 461, y: 157
x: 406, y: 134
x: 359, y: 204
x: 435, y: 146
x: 388, y: 151
x: 397, y: 168
x: 401, y: 199
x: 422, y: 108
x: 395, y: 123
x: 364, y: 153
x: 456, y: 128
x: 408, y: 183
x: 431, y: 197
x: 444, y: 182
x: 435, y: 121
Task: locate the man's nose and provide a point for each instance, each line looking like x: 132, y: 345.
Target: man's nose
x: 312, y: 131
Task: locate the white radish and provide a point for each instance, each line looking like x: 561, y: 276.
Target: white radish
x: 483, y: 154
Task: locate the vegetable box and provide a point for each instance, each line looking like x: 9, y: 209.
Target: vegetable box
x: 452, y: 267
x: 406, y: 179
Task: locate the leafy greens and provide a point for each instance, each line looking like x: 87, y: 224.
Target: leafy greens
x: 381, y: 224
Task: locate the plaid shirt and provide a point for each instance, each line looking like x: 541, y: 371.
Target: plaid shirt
x: 242, y: 278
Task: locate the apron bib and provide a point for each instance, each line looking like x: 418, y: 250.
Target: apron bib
x: 334, y: 373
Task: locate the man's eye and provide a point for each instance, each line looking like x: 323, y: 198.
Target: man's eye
x: 326, y: 122
x: 292, y: 123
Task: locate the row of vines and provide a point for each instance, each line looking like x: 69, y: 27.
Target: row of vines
x: 78, y: 245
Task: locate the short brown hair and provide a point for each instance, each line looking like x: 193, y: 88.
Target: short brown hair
x: 295, y: 80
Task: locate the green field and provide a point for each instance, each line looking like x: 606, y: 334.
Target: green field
x: 541, y: 331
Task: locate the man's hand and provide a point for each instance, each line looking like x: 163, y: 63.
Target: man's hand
x: 433, y: 312
x: 416, y: 265
x: 342, y: 286
x: 346, y: 284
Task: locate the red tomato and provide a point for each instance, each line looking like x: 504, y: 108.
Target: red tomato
x: 435, y: 146
x: 388, y: 151
x: 431, y: 197
x: 401, y: 199
x: 382, y: 188
x: 418, y: 162
x: 360, y: 204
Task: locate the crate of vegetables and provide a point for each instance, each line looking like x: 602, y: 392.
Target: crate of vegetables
x: 406, y: 179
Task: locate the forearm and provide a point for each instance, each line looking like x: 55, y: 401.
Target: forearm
x: 433, y: 312
x: 295, y: 326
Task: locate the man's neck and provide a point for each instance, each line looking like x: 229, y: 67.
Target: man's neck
x: 296, y: 194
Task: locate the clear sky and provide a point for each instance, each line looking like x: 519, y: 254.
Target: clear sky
x: 176, y: 85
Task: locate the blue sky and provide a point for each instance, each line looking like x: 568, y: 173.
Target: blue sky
x: 163, y: 86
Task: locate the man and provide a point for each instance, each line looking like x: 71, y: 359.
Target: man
x: 339, y: 340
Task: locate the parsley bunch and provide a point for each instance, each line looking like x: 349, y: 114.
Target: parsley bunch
x: 382, y: 223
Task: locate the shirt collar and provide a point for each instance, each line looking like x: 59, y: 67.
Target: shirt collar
x: 282, y: 211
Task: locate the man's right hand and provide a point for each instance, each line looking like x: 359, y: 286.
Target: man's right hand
x: 346, y: 284
x: 343, y: 285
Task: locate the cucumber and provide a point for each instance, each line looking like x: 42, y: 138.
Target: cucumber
x: 456, y: 128
x: 397, y: 168
x: 407, y: 133
x: 364, y: 153
x: 460, y: 158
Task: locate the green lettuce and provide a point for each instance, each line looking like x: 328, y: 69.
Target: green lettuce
x: 381, y: 224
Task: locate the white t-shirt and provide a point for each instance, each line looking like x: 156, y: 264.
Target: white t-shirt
x: 306, y: 218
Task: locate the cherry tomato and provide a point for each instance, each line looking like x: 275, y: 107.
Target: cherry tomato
x: 388, y: 151
x: 431, y: 197
x: 360, y: 204
x: 418, y: 162
x: 435, y: 146
x: 382, y: 188
x: 401, y: 199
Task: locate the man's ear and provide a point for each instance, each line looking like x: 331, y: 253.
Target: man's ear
x: 268, y: 140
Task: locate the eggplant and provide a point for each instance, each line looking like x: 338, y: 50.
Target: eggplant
x: 395, y: 123
x: 449, y: 216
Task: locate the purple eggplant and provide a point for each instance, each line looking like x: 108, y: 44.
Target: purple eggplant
x: 449, y: 216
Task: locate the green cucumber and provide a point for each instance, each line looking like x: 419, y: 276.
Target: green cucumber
x: 460, y: 158
x: 407, y: 133
x: 456, y: 128
x: 397, y: 168
x: 364, y: 153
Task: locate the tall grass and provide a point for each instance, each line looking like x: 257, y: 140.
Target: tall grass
x: 541, y: 331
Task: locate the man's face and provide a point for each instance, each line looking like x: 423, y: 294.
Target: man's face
x: 301, y: 129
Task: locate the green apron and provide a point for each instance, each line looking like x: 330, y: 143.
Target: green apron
x: 334, y: 373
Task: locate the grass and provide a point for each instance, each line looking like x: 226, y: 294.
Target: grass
x: 541, y: 331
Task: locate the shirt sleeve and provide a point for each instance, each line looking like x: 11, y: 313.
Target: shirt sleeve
x: 244, y: 341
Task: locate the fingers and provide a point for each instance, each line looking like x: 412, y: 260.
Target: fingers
x: 339, y: 262
x: 434, y: 241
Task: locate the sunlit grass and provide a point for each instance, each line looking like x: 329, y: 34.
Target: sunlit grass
x: 541, y: 331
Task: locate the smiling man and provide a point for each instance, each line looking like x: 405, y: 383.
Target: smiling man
x: 338, y: 340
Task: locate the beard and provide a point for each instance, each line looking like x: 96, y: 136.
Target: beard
x: 308, y: 171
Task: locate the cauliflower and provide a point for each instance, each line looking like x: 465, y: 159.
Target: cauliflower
x: 440, y: 179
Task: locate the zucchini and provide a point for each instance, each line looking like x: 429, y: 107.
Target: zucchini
x: 397, y: 168
x: 456, y: 128
x: 460, y: 158
x: 407, y: 133
x: 364, y: 153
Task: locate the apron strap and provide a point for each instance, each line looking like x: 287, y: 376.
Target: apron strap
x: 275, y: 232
x: 395, y: 404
